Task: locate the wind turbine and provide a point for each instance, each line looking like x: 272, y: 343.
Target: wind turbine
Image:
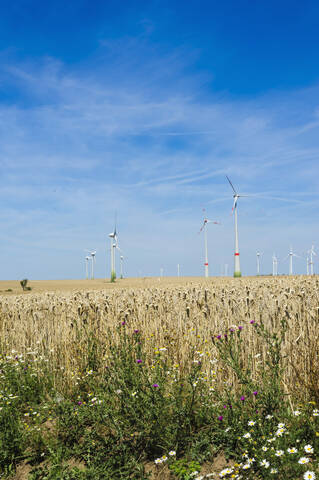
x: 178, y: 270
x: 258, y: 255
x: 237, y: 272
x: 311, y: 252
x: 204, y: 226
x: 87, y: 259
x: 291, y: 254
x: 274, y: 265
x: 113, y: 237
x: 92, y: 258
x: 121, y: 264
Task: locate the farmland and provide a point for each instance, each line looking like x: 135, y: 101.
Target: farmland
x: 120, y: 375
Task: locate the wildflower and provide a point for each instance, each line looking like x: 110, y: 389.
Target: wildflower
x: 292, y: 450
x: 155, y: 385
x: 255, y: 393
x: 274, y: 470
x: 123, y: 323
x: 226, y: 471
x: 279, y: 432
x: 303, y: 460
x: 247, y: 435
x: 220, y: 418
x: 164, y: 458
x: 281, y: 425
x: 138, y: 360
x: 264, y: 463
x: 279, y: 453
x: 252, y: 322
x: 264, y: 449
x: 251, y: 423
x: 296, y: 413
x: 240, y: 327
x: 246, y: 466
x: 315, y: 412
x: 269, y: 417
x: 158, y: 461
x: 308, y: 449
x: 242, y: 398
x: 136, y: 331
x: 309, y: 475
x: 219, y: 337
x: 172, y: 453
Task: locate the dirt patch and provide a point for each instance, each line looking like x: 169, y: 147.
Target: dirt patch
x: 22, y: 471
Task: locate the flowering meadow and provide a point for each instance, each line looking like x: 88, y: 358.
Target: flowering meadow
x: 214, y: 379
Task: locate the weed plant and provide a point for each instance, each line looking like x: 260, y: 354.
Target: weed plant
x: 132, y: 414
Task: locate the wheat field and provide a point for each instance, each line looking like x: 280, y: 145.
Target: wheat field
x: 180, y: 316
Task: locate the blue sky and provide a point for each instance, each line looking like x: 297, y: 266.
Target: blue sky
x: 142, y: 108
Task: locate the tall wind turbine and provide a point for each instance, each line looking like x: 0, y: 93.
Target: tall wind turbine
x: 237, y: 272
x: 258, y: 255
x: 291, y: 254
x: 87, y: 259
x: 274, y: 265
x: 204, y: 227
x: 113, y: 237
x: 121, y: 265
x: 92, y: 258
x: 311, y: 253
x: 93, y: 263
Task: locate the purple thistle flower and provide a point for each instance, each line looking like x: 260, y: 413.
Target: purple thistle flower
x: 155, y: 385
x: 220, y: 418
x: 224, y: 406
x: 136, y: 331
x: 231, y: 330
x: 138, y: 360
x: 240, y: 327
x: 225, y: 335
x: 255, y: 393
x: 242, y: 398
x: 123, y: 323
x: 79, y: 403
x: 252, y: 321
x: 219, y: 337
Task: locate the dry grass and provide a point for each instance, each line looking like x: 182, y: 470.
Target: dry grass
x: 179, y: 314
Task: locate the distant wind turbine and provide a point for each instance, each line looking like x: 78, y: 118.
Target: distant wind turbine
x: 311, y: 253
x: 291, y: 254
x: 204, y: 226
x: 258, y: 255
x: 92, y: 253
x: 87, y: 259
x: 274, y: 265
x: 237, y: 272
x: 113, y: 237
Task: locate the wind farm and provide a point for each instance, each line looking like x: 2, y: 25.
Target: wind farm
x: 159, y: 240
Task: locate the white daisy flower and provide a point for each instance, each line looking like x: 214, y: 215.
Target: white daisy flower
x: 315, y: 412
x: 251, y: 423
x: 246, y: 466
x: 172, y: 453
x: 264, y: 449
x: 308, y: 449
x: 247, y: 435
x: 268, y: 417
x: 264, y: 463
x: 281, y: 425
x: 274, y: 470
x: 279, y: 453
x: 279, y: 432
x: 297, y: 413
x: 158, y: 461
x: 303, y: 460
x: 292, y: 450
x: 309, y: 475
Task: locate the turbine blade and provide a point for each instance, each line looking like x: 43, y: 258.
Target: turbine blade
x: 232, y: 186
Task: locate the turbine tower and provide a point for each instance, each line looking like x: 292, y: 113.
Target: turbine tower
x: 274, y: 265
x: 258, y: 255
x: 113, y: 237
x: 291, y: 254
x: 87, y: 259
x: 206, y: 221
x: 121, y: 265
x: 92, y: 264
x: 237, y: 272
x: 311, y: 252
